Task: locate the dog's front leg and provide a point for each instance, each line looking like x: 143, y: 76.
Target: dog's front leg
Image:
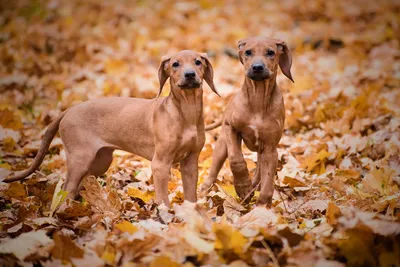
x: 190, y: 173
x: 269, y: 162
x: 161, y: 170
x: 237, y: 163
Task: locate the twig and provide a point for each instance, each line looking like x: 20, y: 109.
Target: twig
x: 270, y: 254
x: 251, y: 192
x: 283, y: 201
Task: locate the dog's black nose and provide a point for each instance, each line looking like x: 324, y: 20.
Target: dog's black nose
x: 258, y: 67
x: 190, y: 74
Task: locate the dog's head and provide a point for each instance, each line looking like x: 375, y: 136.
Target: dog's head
x: 261, y: 56
x: 186, y: 69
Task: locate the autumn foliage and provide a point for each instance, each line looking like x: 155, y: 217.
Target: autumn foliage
x: 336, y: 200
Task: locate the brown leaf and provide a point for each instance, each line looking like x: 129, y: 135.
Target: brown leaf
x: 15, y: 190
x: 332, y: 213
x: 293, y: 182
x: 108, y: 203
x: 71, y: 209
x: 65, y: 248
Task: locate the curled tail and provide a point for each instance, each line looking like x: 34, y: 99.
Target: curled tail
x: 47, y: 138
x: 213, y: 125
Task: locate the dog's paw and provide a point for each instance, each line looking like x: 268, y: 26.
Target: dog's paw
x: 265, y: 200
x: 243, y: 190
x: 204, y: 187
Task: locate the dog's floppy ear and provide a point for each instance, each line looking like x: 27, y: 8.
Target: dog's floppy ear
x: 209, y: 73
x: 241, y: 44
x: 163, y: 73
x: 285, y: 59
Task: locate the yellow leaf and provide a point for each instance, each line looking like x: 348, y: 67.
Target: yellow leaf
x: 111, y: 89
x: 58, y: 197
x: 10, y: 119
x: 116, y: 67
x: 146, y: 196
x: 109, y: 256
x: 315, y: 160
x: 164, y: 262
x: 178, y: 198
x: 8, y: 144
x: 5, y: 165
x: 194, y: 240
x: 227, y: 238
x: 127, y: 227
x: 303, y: 83
x: 230, y: 190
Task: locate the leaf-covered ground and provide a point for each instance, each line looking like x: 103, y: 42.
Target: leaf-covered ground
x: 337, y: 199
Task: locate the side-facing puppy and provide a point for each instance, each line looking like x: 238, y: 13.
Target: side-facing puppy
x: 165, y: 130
x: 255, y: 115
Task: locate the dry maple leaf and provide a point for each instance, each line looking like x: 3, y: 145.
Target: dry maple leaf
x: 104, y: 202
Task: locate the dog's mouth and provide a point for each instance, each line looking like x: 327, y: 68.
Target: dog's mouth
x: 259, y: 76
x: 189, y: 85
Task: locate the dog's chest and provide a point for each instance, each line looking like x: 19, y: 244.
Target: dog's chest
x: 254, y: 129
x: 188, y: 141
x: 259, y: 130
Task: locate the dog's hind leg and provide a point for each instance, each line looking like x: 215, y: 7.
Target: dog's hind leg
x: 78, y: 166
x: 102, y: 161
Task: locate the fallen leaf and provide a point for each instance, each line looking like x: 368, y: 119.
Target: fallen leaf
x: 146, y: 196
x: 332, y: 213
x: 127, y: 227
x: 316, y: 160
x: 197, y: 242
x: 103, y: 202
x: 293, y: 182
x: 227, y: 238
x: 164, y: 261
x: 65, y: 248
x: 25, y: 244
x: 58, y: 197
x: 15, y: 190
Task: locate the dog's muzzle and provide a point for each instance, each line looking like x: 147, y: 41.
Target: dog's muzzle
x: 189, y: 81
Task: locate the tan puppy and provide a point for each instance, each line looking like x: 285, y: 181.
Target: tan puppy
x: 165, y: 130
x: 255, y: 115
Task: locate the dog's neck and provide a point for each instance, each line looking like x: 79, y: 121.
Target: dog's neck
x: 189, y: 102
x: 258, y: 94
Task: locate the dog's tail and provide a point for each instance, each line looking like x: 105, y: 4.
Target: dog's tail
x: 214, y: 125
x: 47, y: 138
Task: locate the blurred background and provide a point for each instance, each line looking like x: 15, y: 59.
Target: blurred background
x: 339, y: 152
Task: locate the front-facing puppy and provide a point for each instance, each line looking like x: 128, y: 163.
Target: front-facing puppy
x: 256, y: 116
x: 165, y: 130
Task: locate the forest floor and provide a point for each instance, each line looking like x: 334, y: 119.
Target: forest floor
x: 336, y: 200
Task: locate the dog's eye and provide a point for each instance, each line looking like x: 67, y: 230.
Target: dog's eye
x: 197, y: 62
x: 175, y: 64
x: 270, y: 53
x: 248, y: 52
